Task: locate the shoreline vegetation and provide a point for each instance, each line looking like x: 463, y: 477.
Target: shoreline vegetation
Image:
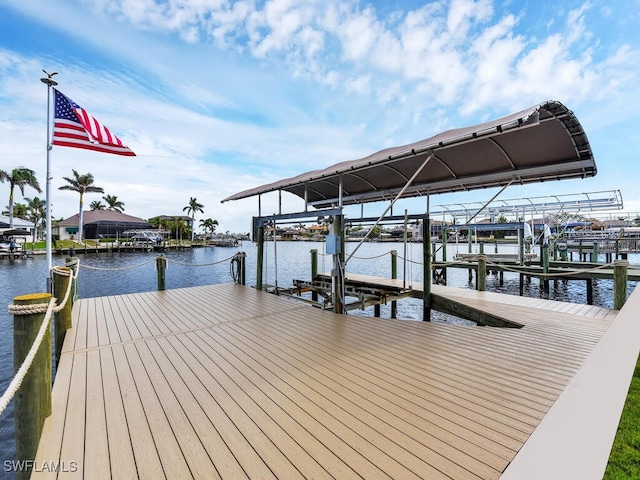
x: 624, y: 459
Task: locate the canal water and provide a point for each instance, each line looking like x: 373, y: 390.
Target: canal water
x: 120, y: 273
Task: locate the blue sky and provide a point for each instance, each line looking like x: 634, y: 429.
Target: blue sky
x: 217, y: 96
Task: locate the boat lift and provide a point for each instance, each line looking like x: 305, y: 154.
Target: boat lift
x: 540, y: 143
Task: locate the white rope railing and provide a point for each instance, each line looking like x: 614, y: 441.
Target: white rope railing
x: 169, y: 260
x: 374, y: 257
x: 119, y: 268
x: 199, y: 264
x: 48, y: 308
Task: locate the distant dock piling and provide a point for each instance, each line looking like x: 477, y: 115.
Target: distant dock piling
x: 394, y: 275
x: 314, y: 272
x: 161, y: 269
x: 620, y: 283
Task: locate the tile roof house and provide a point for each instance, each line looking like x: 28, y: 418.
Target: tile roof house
x: 98, y: 224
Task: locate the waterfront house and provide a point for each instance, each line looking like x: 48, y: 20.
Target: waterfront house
x: 98, y: 224
x: 18, y: 224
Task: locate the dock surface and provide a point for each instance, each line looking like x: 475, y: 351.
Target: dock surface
x: 227, y: 382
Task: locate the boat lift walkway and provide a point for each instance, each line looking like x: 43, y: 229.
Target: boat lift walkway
x: 228, y: 382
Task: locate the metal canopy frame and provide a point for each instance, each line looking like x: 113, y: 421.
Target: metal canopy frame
x: 570, y: 202
x: 540, y: 143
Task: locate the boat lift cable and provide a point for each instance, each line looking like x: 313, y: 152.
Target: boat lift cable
x: 398, y: 196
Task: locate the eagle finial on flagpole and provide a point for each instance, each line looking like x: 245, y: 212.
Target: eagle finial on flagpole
x: 49, y: 80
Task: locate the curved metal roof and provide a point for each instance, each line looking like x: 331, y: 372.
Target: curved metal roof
x: 540, y: 143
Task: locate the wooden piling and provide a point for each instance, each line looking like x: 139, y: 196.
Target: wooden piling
x: 394, y: 276
x: 161, y: 269
x: 242, y: 270
x: 260, y: 257
x: 545, y: 267
x: 481, y: 275
x: 426, y: 265
x: 32, y: 402
x: 521, y: 246
x: 314, y: 271
x: 72, y: 262
x: 444, y: 248
x: 62, y: 277
x: 619, y: 283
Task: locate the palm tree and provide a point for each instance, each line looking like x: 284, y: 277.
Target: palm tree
x: 37, y: 209
x: 180, y: 225
x: 19, y: 210
x: 97, y: 205
x: 19, y: 177
x: 209, y: 225
x: 113, y: 203
x: 81, y: 184
x: 192, y: 208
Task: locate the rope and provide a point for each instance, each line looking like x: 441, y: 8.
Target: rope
x: 119, y: 268
x: 200, y: 264
x: 371, y: 258
x: 409, y: 260
x: 235, y: 266
x: 66, y: 273
x: 47, y: 309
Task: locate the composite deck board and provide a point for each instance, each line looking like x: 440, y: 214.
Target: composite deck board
x: 227, y: 382
x: 435, y: 367
x: 386, y: 421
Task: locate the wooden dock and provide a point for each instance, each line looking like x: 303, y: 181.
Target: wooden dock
x: 227, y: 382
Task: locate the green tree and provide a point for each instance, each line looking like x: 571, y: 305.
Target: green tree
x: 180, y: 226
x: 97, y: 205
x: 191, y: 209
x: 113, y: 203
x: 19, y: 177
x: 37, y: 210
x: 209, y: 225
x: 19, y: 210
x: 81, y: 184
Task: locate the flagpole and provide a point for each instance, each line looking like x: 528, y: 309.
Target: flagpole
x: 49, y: 82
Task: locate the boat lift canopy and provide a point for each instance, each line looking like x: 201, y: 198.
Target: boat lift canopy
x: 540, y: 143
x: 552, y: 204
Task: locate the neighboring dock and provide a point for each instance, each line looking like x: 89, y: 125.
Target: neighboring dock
x: 225, y: 381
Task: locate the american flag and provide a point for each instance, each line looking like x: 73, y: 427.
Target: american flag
x: 74, y: 127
